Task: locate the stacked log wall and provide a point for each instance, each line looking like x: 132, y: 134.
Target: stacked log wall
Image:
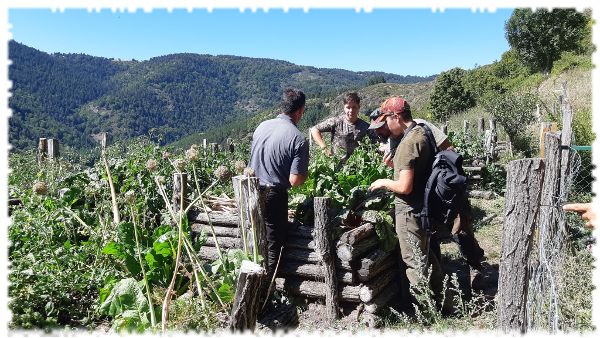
x: 365, y: 273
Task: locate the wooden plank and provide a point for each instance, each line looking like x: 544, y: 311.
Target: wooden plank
x: 310, y: 256
x: 313, y: 271
x: 312, y: 289
x: 216, y: 217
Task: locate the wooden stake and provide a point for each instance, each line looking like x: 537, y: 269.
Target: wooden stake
x: 521, y: 213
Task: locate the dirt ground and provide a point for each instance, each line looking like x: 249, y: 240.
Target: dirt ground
x: 312, y: 318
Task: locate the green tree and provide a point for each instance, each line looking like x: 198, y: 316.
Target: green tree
x: 540, y: 37
x: 375, y: 80
x: 449, y: 95
x: 514, y: 112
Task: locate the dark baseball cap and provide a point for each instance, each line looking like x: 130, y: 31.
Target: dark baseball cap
x: 379, y: 120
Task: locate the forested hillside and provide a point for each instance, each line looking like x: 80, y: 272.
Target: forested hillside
x: 73, y: 97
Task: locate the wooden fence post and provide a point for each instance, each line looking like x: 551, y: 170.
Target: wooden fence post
x: 230, y: 145
x: 179, y: 192
x: 445, y: 129
x: 551, y: 186
x: 103, y: 140
x: 42, y: 149
x: 493, y: 125
x: 544, y: 128
x: 521, y: 213
x: 322, y: 206
x: 246, y: 303
x: 214, y: 148
x: 53, y: 149
x: 250, y: 205
x: 480, y: 125
x: 566, y: 134
x: 465, y: 126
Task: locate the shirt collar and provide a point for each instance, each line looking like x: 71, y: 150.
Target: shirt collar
x: 285, y: 117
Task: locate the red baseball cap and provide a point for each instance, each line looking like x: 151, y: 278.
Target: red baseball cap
x: 395, y: 105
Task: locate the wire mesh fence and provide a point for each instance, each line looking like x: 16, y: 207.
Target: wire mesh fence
x: 555, y: 245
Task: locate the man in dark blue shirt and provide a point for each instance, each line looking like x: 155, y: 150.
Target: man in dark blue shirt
x: 279, y: 157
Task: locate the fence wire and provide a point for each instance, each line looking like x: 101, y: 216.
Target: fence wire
x: 551, y: 245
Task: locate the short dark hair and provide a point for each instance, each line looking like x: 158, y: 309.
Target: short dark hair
x: 351, y: 97
x: 406, y: 115
x: 292, y: 100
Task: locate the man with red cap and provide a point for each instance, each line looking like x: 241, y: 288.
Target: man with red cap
x: 462, y: 229
x: 411, y: 171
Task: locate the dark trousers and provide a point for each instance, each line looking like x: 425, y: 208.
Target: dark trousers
x: 464, y: 237
x: 276, y: 222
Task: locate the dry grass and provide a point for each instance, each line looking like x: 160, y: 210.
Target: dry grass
x: 579, y: 89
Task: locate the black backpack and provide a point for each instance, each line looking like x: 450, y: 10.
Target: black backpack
x: 445, y: 191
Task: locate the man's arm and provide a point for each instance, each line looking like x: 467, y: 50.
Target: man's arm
x: 402, y: 186
x: 446, y: 145
x: 316, y: 135
x: 297, y: 179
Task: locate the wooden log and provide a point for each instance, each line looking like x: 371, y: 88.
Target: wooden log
x: 42, y: 149
x: 374, y: 286
x: 301, y: 231
x: 230, y: 146
x: 313, y: 271
x: 280, y: 322
x: 473, y: 169
x: 355, y: 235
x: 310, y: 256
x: 209, y: 253
x: 250, y: 205
x: 544, y: 128
x: 521, y: 213
x: 224, y: 219
x: 348, y: 252
x: 246, y: 301
x: 374, y: 263
x: 299, y: 243
x: 297, y: 286
x: 382, y: 299
x: 179, y: 192
x: 53, y: 149
x: 480, y: 124
x: 224, y: 242
x: 549, y: 224
x: 322, y: 206
x: 219, y: 231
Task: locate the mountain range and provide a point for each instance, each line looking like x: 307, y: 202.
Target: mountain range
x: 75, y: 97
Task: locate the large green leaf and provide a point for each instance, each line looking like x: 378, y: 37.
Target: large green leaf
x: 126, y: 234
x: 164, y: 245
x: 115, y: 249
x: 127, y: 300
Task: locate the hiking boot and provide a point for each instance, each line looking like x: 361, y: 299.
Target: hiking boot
x: 477, y: 283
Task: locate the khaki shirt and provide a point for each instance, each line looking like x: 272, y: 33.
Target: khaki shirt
x: 413, y: 153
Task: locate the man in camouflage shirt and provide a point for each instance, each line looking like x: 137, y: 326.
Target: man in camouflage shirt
x: 346, y: 130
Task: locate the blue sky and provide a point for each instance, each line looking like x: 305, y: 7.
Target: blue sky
x: 401, y: 41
